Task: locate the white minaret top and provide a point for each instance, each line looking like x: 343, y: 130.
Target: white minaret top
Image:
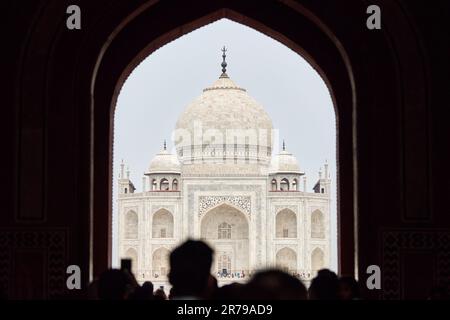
x: 122, y: 165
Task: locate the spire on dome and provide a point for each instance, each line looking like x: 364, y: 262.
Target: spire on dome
x: 284, y: 146
x: 224, y: 63
x: 165, y: 145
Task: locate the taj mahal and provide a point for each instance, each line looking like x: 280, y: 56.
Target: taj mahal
x: 225, y: 184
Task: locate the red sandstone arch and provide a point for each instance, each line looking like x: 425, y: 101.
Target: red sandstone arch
x: 337, y: 52
x: 389, y: 91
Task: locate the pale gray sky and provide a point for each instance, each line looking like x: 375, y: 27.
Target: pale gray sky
x: 158, y: 90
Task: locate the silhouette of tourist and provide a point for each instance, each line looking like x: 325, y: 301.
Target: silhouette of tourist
x: 324, y: 286
x: 144, y: 292
x: 273, y: 284
x: 115, y: 284
x: 348, y: 289
x: 92, y: 290
x: 211, y: 288
x: 190, y: 265
x: 232, y: 291
x: 160, y: 295
x: 170, y: 297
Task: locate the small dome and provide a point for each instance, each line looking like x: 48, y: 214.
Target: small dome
x: 164, y: 162
x: 285, y: 162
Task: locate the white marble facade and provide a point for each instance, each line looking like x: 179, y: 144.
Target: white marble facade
x: 251, y: 207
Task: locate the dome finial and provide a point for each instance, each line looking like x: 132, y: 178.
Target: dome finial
x: 165, y: 145
x: 284, y: 146
x: 224, y: 63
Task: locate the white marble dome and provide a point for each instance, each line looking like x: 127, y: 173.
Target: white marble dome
x: 222, y: 107
x: 164, y: 162
x: 285, y: 162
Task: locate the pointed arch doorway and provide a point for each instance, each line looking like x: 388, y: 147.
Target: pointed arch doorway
x: 122, y: 53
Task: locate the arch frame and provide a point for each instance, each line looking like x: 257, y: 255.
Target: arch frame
x: 316, y: 249
x: 225, y: 203
x: 249, y: 225
x: 202, y: 217
x: 69, y: 146
x: 285, y: 181
x: 162, y: 210
x: 125, y: 224
x: 125, y: 254
x: 121, y: 53
x: 288, y: 248
x: 162, y: 247
x: 273, y: 183
x: 296, y: 217
x: 324, y: 227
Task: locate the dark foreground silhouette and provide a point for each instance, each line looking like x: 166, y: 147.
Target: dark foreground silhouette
x: 191, y: 278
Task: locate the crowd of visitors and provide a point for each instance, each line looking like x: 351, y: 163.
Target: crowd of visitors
x: 191, y: 279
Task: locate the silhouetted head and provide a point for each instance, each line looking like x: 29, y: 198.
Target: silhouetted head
x: 211, y: 288
x: 160, y: 294
x: 190, y: 265
x: 348, y: 289
x: 230, y: 291
x: 324, y: 286
x: 274, y: 284
x: 92, y: 290
x: 144, y: 292
x: 115, y: 284
x: 170, y: 294
x: 147, y: 286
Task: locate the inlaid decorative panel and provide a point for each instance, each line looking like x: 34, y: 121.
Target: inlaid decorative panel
x: 394, y: 242
x: 208, y: 202
x: 54, y: 242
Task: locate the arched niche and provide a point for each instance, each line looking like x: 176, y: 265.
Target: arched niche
x: 317, y: 259
x: 131, y: 225
x: 286, y: 259
x: 160, y: 262
x: 162, y: 224
x: 286, y: 224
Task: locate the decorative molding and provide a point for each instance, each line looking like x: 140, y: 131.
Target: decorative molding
x: 134, y: 208
x: 293, y: 208
x: 292, y: 246
x: 255, y: 190
x: 315, y: 208
x: 208, y: 202
x: 156, y: 208
x: 394, y: 242
x: 156, y: 247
